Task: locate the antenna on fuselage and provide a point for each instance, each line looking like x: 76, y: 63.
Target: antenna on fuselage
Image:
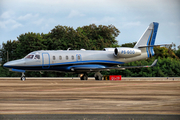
x: 69, y: 48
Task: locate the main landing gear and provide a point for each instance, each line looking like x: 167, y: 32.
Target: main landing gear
x: 23, y: 78
x: 98, y: 76
x: 84, y: 76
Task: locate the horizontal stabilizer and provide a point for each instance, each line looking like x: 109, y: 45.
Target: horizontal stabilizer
x: 153, y: 45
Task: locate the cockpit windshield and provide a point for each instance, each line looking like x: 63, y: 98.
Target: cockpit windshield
x: 37, y: 57
x: 31, y: 56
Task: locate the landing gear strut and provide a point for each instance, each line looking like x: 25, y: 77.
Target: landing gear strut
x: 23, y: 78
x: 84, y: 77
x: 98, y: 76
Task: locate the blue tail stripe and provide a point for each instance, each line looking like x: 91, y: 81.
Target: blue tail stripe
x: 154, y: 36
x: 148, y: 44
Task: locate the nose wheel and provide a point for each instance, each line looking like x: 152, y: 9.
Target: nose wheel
x: 23, y: 78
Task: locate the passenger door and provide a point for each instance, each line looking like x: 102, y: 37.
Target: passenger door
x: 45, y: 60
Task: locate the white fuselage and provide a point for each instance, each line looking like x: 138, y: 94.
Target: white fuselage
x: 63, y: 60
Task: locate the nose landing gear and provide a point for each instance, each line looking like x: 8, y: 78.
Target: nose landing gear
x: 23, y: 78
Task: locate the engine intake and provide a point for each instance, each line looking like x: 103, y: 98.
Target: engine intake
x: 124, y: 52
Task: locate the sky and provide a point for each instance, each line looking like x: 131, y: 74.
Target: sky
x: 131, y: 17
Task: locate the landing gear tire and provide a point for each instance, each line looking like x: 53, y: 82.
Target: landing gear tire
x: 84, y: 77
x: 23, y: 78
x: 98, y: 76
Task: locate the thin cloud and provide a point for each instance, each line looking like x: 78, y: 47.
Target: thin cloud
x: 28, y: 16
x: 39, y: 22
x: 131, y: 24
x: 104, y: 20
x: 16, y: 25
x: 8, y: 21
x: 10, y: 24
x: 7, y: 15
x: 75, y: 13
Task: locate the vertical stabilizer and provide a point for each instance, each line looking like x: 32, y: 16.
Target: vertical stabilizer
x: 148, y: 39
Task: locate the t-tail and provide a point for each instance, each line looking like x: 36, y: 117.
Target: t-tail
x: 147, y: 40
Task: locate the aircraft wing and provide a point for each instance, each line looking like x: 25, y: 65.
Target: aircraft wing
x: 127, y: 67
x: 100, y: 68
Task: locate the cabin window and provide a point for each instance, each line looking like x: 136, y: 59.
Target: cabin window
x: 60, y: 57
x: 66, y: 57
x: 29, y: 57
x: 37, y: 57
x: 72, y: 57
x: 54, y: 57
x: 79, y: 58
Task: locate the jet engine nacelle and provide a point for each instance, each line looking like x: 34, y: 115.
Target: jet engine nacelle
x: 124, y: 52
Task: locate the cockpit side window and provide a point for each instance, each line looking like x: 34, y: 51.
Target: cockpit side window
x: 29, y: 57
x: 37, y: 57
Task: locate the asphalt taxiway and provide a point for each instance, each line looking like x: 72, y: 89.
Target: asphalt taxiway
x: 138, y: 96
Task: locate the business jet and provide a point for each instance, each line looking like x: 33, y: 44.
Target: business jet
x: 86, y: 61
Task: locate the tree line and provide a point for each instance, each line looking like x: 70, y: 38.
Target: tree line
x: 91, y: 37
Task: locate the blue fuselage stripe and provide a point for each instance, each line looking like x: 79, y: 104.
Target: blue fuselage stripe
x: 65, y: 66
x: 89, y: 61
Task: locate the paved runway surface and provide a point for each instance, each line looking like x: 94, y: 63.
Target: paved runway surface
x: 73, y: 96
x: 89, y: 117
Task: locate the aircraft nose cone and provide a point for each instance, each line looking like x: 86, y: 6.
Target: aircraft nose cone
x: 8, y: 64
x: 12, y: 64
